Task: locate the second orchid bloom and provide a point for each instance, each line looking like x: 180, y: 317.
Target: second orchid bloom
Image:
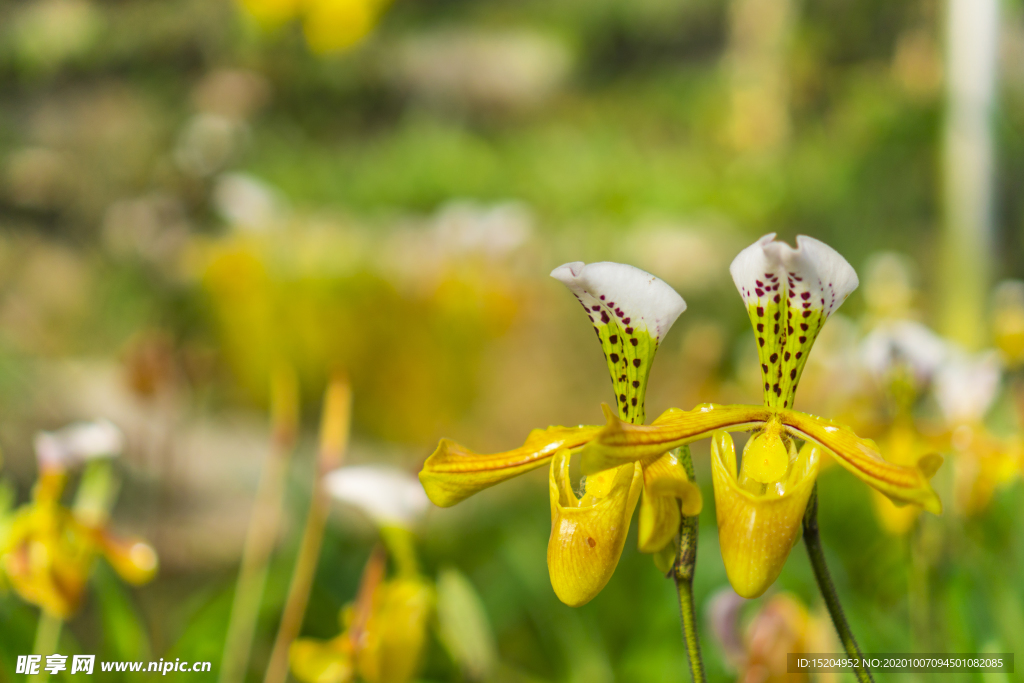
x: 760, y: 502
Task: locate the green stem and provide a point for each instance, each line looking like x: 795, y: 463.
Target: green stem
x: 812, y: 539
x: 47, y: 638
x: 683, y: 575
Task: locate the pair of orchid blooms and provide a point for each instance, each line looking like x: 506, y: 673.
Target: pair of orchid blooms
x: 760, y: 504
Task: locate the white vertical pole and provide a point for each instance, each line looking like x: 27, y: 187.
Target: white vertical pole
x: 968, y: 236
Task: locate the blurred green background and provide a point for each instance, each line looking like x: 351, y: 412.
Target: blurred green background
x: 189, y: 197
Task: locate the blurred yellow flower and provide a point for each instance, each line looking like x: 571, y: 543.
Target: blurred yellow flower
x: 965, y: 389
x: 48, y: 554
x: 903, y: 445
x: 383, y: 632
x: 328, y: 25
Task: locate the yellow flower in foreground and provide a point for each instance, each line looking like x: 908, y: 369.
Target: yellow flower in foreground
x: 631, y: 311
x: 789, y: 293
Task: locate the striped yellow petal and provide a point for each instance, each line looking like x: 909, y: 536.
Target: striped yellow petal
x: 621, y: 442
x: 454, y: 473
x: 757, y: 529
x: 588, y: 533
x: 861, y: 456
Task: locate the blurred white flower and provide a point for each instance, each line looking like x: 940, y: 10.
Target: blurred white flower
x: 903, y: 344
x: 494, y: 230
x: 246, y: 202
x: 387, y: 495
x: 966, y: 385
x: 486, y: 69
x: 77, y: 443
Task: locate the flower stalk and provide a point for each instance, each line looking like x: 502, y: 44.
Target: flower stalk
x: 334, y: 431
x: 683, y: 572
x: 812, y: 539
x: 263, y: 527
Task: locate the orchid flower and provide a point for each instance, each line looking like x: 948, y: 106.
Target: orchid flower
x: 48, y: 552
x: 789, y: 294
x: 903, y: 356
x: 384, y: 632
x: 965, y: 389
x: 631, y: 312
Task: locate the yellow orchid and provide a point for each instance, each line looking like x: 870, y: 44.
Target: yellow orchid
x: 48, y: 553
x: 903, y: 356
x: 382, y: 637
x: 789, y: 294
x: 328, y: 25
x: 965, y: 388
x: 631, y: 311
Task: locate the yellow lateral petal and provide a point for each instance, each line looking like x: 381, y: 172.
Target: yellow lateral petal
x: 586, y: 541
x: 620, y: 442
x: 454, y: 473
x: 755, y: 532
x: 861, y: 457
x: 667, y: 490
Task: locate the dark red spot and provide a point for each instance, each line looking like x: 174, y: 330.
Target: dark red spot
x: 625, y: 320
x: 591, y: 542
x: 633, y: 341
x: 805, y: 296
x: 760, y: 311
x: 636, y: 362
x: 760, y: 340
x: 802, y: 340
x: 615, y: 358
x: 604, y: 317
x: 792, y: 373
x: 774, y: 357
x: 636, y: 383
x: 614, y: 339
x: 629, y: 330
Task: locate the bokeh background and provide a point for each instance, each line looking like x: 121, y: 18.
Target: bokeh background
x: 193, y: 192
